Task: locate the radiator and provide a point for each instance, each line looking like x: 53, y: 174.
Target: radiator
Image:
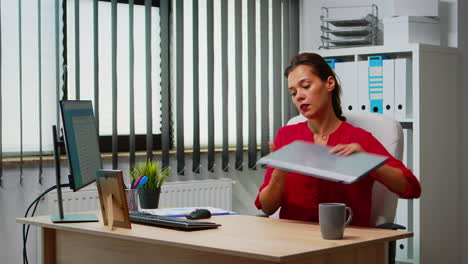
x: 214, y: 193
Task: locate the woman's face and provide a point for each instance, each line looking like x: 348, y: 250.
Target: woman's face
x: 309, y: 93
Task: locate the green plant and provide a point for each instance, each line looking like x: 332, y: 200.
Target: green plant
x: 151, y: 169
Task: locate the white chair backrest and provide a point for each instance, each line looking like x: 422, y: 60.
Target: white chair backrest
x: 390, y: 133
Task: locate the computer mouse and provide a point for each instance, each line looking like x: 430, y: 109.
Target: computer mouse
x: 199, y: 214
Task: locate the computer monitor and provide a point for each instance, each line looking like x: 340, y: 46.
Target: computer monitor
x: 82, y: 145
x: 81, y: 141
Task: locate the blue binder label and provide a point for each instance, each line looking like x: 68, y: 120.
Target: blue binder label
x: 376, y: 83
x: 332, y: 62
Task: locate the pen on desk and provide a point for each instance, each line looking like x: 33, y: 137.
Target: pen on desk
x: 135, y: 184
x: 142, y: 182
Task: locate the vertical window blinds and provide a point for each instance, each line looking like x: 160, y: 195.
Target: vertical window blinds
x: 206, y: 73
x: 228, y: 58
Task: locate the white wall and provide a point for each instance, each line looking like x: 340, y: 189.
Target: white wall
x: 310, y: 19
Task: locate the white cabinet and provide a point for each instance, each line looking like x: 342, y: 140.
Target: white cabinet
x: 428, y: 104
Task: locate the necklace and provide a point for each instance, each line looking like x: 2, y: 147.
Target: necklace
x: 324, y: 138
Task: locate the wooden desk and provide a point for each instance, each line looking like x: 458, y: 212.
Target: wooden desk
x: 240, y: 239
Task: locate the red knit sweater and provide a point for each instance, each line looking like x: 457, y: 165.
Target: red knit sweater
x: 302, y: 194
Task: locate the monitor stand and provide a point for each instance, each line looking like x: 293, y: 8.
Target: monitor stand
x: 61, y: 217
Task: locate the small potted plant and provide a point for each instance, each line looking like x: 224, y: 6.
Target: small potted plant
x: 149, y: 191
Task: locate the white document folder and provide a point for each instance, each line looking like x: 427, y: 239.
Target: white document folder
x: 389, y: 88
x: 403, y: 211
x: 403, y: 95
x: 347, y: 76
x: 401, y: 218
x: 363, y: 86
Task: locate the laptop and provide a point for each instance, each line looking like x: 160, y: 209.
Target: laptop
x: 315, y: 160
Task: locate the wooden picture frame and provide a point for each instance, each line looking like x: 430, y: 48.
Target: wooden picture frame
x: 112, y: 198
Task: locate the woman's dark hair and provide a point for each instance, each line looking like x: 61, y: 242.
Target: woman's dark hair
x: 320, y: 68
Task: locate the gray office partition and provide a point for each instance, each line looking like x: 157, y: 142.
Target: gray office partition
x: 293, y: 43
x: 180, y: 85
x: 77, y: 49
x: 196, y: 164
x: 115, y: 143
x: 252, y: 75
x: 64, y: 66
x: 196, y: 91
x: 57, y: 63
x: 20, y: 72
x: 293, y: 28
x: 286, y: 56
x: 149, y: 83
x: 131, y: 83
x: 210, y: 83
x: 277, y: 65
x: 264, y: 76
x: 238, y: 69
x: 1, y: 105
x: 224, y: 83
x: 96, y: 61
x: 166, y: 132
x: 39, y: 73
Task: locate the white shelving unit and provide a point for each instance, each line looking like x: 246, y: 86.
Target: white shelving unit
x: 432, y: 149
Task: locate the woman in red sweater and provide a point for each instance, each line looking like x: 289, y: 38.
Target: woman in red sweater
x: 315, y: 92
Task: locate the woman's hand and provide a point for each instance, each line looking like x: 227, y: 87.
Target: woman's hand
x: 270, y: 197
x: 278, y: 176
x: 346, y: 149
x: 393, y: 177
x: 272, y: 146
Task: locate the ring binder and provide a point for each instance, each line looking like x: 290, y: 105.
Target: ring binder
x: 376, y: 83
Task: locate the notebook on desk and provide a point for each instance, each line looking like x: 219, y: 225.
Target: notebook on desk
x: 316, y: 161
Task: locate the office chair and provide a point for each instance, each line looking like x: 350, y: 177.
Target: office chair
x: 390, y: 133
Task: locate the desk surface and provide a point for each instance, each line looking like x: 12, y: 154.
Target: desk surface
x: 240, y: 235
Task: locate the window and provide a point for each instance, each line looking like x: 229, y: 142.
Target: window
x: 86, y: 69
x: 34, y: 52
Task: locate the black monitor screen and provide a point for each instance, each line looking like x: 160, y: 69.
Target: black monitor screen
x: 82, y: 143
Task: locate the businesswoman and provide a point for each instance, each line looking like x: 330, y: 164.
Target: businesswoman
x: 315, y: 92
